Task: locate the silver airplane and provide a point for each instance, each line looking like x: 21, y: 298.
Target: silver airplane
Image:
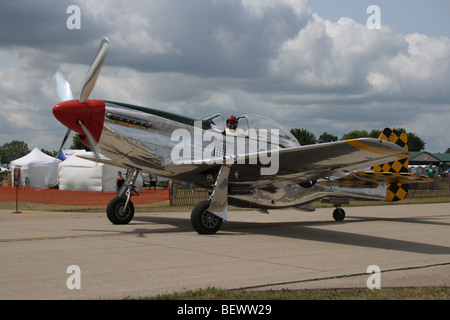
x: 259, y: 165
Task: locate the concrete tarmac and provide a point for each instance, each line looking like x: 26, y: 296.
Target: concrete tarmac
x: 160, y: 253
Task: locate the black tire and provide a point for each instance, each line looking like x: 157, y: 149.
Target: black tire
x: 338, y: 214
x: 115, y: 213
x: 203, y: 221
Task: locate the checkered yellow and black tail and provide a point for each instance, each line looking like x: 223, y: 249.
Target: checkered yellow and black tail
x: 396, y: 191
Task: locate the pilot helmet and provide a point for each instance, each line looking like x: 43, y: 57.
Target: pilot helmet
x: 233, y: 120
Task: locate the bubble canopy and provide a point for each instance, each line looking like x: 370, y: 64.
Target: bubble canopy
x: 257, y: 123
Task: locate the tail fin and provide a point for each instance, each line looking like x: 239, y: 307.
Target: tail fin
x: 395, y: 191
x: 400, y: 139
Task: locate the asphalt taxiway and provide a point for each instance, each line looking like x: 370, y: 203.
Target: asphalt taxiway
x: 160, y: 253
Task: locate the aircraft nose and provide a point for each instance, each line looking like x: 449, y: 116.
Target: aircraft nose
x: 69, y: 112
x: 91, y: 113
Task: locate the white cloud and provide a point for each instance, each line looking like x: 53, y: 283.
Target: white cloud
x: 200, y: 57
x: 327, y: 55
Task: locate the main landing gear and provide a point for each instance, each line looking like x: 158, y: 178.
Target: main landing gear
x: 207, y: 216
x: 203, y: 221
x: 120, y: 209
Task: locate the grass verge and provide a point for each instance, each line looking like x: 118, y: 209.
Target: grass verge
x: 328, y: 294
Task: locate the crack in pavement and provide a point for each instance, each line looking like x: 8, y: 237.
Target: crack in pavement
x: 340, y: 276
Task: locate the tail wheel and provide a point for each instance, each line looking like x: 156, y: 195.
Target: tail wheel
x: 338, y: 214
x: 117, y: 213
x: 203, y: 221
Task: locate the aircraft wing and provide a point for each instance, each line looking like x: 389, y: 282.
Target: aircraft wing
x: 301, y: 164
x: 287, y: 166
x: 322, y: 160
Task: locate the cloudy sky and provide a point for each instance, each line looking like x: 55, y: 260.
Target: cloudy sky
x: 306, y: 64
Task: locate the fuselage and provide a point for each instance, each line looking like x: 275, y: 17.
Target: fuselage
x: 193, y: 150
x: 181, y: 147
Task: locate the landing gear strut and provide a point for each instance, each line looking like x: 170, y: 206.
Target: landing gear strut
x: 120, y: 209
x: 207, y: 216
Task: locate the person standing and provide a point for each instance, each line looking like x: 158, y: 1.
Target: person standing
x: 153, y: 181
x: 119, y: 181
x: 431, y: 171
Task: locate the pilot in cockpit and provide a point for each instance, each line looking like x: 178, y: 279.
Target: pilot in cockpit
x: 232, y: 124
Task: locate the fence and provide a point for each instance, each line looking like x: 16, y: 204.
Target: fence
x: 440, y: 183
x: 76, y: 198
x: 187, y: 194
x: 178, y: 194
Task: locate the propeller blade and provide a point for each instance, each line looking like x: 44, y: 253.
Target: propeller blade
x: 62, y: 87
x: 64, y: 140
x: 94, y: 70
x: 91, y: 140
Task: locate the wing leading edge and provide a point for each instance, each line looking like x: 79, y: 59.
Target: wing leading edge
x: 292, y: 165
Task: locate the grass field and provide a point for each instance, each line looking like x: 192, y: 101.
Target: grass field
x: 330, y: 294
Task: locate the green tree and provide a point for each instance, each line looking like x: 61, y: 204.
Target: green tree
x: 13, y: 150
x: 355, y: 134
x: 375, y: 133
x: 304, y: 136
x: 415, y: 143
x: 327, y: 137
x: 53, y: 153
x: 77, y: 144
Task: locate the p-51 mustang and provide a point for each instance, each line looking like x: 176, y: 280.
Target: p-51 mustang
x: 260, y: 165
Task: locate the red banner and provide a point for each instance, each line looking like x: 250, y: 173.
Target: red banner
x: 16, y: 177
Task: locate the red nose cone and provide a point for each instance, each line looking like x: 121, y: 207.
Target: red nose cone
x: 91, y: 113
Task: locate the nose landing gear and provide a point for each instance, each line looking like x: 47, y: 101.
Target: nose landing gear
x: 120, y: 209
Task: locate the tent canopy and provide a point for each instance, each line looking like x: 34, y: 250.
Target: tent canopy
x: 37, y: 169
x: 80, y: 174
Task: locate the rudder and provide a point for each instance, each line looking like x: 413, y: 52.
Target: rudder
x: 400, y: 139
x: 395, y: 191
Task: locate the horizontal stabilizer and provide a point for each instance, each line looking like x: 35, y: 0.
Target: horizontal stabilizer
x: 391, y: 177
x: 371, y: 179
x: 393, y: 174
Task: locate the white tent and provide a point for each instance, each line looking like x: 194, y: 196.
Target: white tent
x: 80, y: 174
x: 36, y: 169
